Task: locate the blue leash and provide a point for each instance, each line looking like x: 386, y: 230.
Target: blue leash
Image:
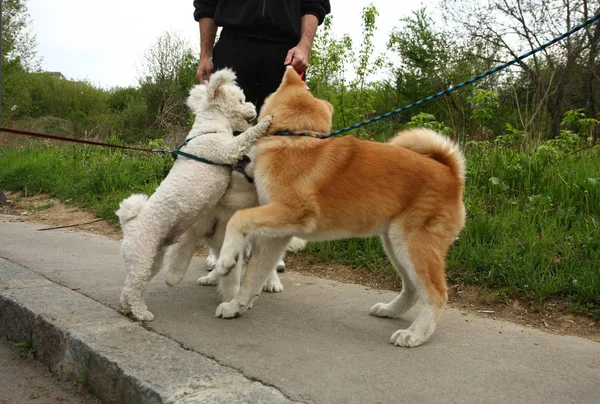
x: 451, y: 88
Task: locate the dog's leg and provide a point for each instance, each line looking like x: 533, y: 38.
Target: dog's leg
x: 420, y: 255
x: 141, y: 265
x: 272, y: 220
x: 408, y: 297
x: 179, y: 255
x: 215, y: 242
x: 273, y: 284
x: 230, y: 284
x: 265, y: 253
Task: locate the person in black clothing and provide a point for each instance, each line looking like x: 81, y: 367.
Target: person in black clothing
x: 259, y: 38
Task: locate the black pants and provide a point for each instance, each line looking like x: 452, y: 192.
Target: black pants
x: 258, y: 64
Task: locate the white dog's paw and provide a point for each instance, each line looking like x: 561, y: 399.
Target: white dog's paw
x: 382, y: 310
x: 407, y: 339
x: 142, y: 314
x: 211, y: 262
x: 273, y: 285
x: 173, y: 278
x: 230, y: 309
x: 124, y: 305
x: 209, y: 280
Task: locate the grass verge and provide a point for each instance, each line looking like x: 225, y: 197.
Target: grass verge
x: 532, y: 228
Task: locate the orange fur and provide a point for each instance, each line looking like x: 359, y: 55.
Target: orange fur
x: 408, y: 190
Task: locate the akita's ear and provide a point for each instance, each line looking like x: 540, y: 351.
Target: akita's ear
x: 291, y: 77
x: 218, y: 80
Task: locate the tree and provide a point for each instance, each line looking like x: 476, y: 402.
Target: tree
x: 431, y: 60
x: 18, y: 43
x: 18, y: 54
x: 516, y: 26
x: 168, y: 73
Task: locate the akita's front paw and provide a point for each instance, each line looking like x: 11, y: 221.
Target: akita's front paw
x: 226, y: 263
x: 382, y: 310
x: 406, y: 338
x: 230, y: 309
x: 208, y: 280
x: 211, y: 279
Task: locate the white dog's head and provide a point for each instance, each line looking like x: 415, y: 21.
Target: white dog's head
x: 221, y: 94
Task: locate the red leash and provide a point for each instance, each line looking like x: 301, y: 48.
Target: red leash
x: 303, y: 77
x: 70, y: 139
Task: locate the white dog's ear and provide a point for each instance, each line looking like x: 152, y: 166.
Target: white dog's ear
x: 196, y: 98
x: 218, y: 80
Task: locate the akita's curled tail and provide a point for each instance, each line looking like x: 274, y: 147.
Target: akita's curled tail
x: 434, y: 145
x: 131, y: 207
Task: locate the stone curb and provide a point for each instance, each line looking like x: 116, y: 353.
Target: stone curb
x: 118, y: 359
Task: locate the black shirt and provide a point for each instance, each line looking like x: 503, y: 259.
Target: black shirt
x: 276, y: 20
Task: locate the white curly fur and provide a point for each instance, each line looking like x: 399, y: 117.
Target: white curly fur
x: 191, y: 190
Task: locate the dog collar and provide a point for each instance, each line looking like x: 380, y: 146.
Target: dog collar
x: 305, y: 134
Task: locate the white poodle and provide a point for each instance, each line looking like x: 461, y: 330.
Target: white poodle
x: 191, y: 190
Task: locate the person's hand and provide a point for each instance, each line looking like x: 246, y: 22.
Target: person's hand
x: 298, y: 58
x: 205, y: 69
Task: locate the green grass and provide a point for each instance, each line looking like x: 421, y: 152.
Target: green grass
x: 532, y: 229
x: 93, y: 178
x: 26, y: 349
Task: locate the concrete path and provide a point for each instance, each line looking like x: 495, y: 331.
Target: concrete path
x: 315, y: 342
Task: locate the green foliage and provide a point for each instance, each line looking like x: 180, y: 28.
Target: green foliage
x: 168, y: 74
x: 484, y: 104
x: 18, y: 43
x: 425, y: 120
x: 26, y: 349
x: 580, y: 121
x: 95, y: 178
x: 512, y: 138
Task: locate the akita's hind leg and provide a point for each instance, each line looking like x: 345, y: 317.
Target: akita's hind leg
x: 408, y: 297
x: 420, y: 255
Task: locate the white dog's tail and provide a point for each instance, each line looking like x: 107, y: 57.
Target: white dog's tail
x: 131, y: 207
x: 436, y: 146
x: 297, y: 244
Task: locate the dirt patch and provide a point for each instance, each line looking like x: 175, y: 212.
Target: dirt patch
x: 54, y: 213
x: 553, y: 317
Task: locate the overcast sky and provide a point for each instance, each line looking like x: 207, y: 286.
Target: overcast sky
x: 103, y: 42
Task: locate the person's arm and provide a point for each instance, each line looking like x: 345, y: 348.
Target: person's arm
x: 313, y: 13
x: 204, y: 10
x: 208, y: 32
x: 298, y: 55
